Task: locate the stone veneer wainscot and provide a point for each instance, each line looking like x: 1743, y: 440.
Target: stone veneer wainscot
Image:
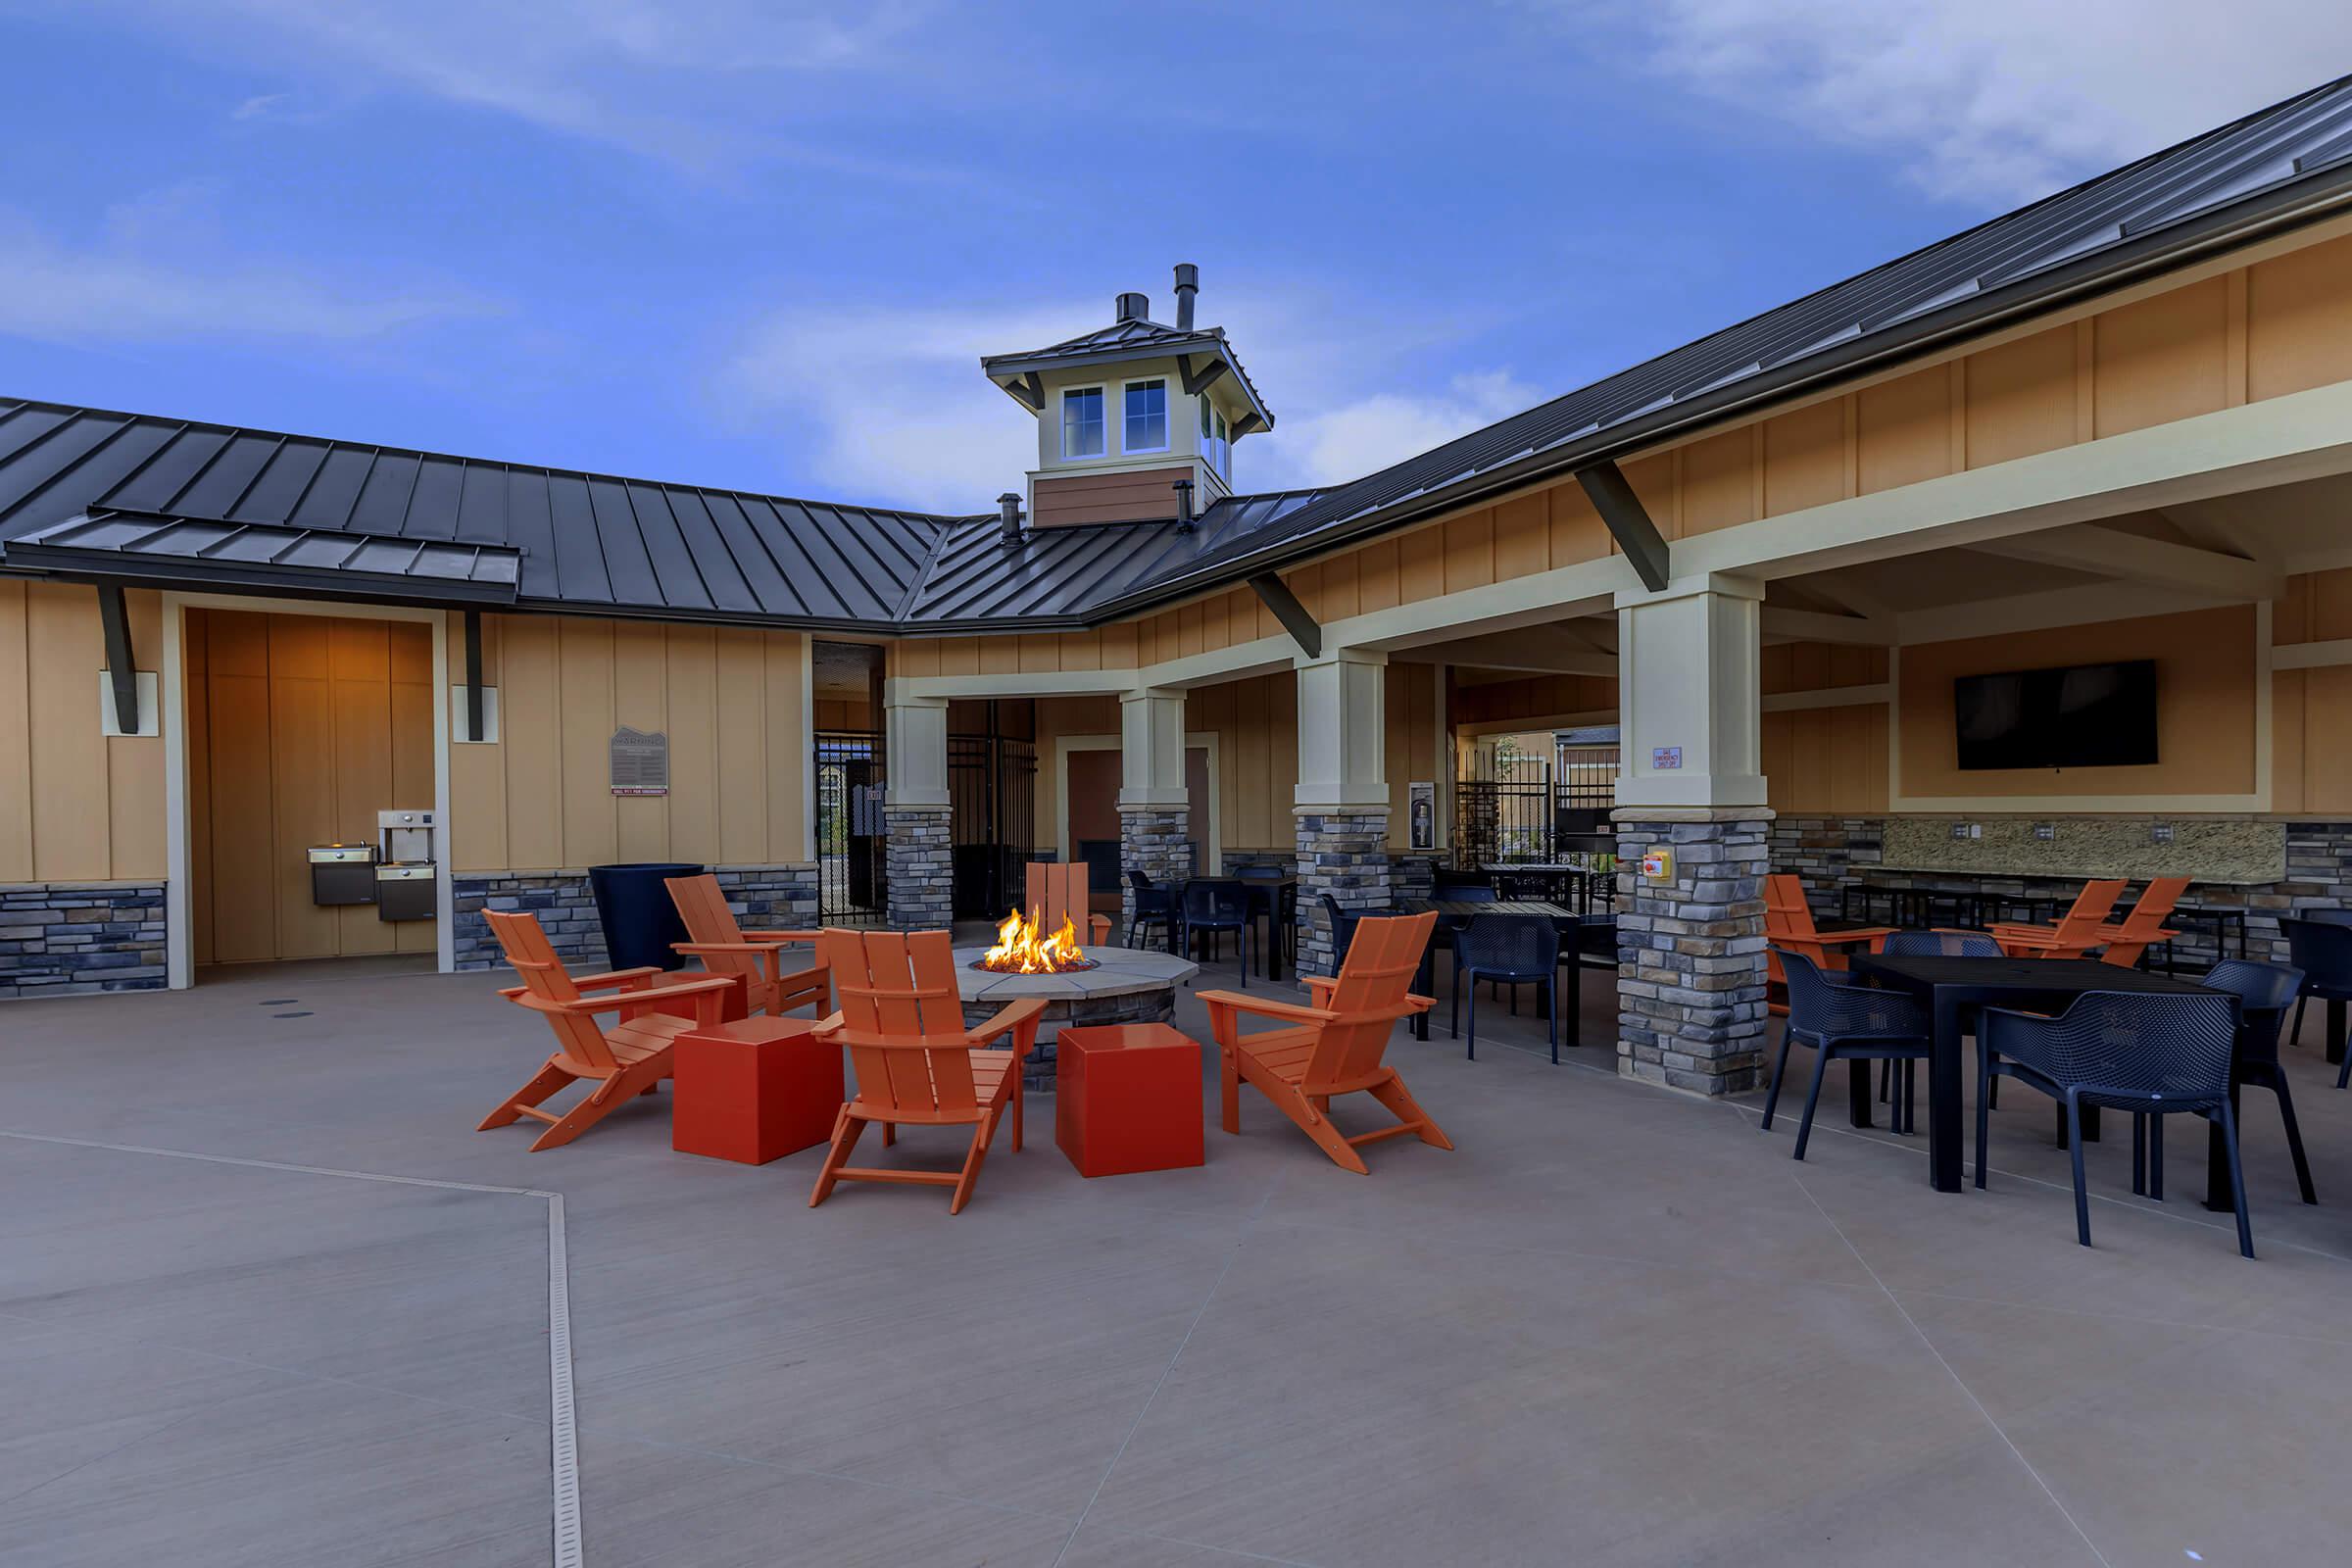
x: 919, y: 865
x: 1345, y: 854
x: 763, y: 896
x: 1691, y: 949
x: 62, y: 939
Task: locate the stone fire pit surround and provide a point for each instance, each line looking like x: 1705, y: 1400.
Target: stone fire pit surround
x: 1127, y: 985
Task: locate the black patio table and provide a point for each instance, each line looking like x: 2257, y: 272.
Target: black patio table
x: 1275, y: 895
x: 1947, y: 986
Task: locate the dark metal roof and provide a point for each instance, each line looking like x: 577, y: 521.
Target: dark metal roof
x: 583, y: 541
x: 601, y: 544
x: 2273, y: 168
x: 139, y: 545
x: 1136, y: 339
x: 978, y: 581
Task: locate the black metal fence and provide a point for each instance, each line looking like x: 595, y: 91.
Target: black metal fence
x: 852, y: 880
x: 1517, y: 807
x: 992, y: 799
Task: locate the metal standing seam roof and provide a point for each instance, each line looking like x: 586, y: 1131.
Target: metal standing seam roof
x: 580, y: 541
x: 598, y: 543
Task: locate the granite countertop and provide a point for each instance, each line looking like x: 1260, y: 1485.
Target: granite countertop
x: 2215, y: 850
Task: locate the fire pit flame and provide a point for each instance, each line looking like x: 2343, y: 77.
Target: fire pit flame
x: 1024, y: 947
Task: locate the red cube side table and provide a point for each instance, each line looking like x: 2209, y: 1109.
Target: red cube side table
x: 1127, y: 1098
x: 753, y: 1090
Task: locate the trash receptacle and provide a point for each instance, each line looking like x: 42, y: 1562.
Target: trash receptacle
x: 635, y: 909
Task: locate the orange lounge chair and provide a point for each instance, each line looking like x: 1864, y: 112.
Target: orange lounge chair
x: 1058, y: 890
x: 2072, y: 936
x: 1788, y: 924
x: 756, y: 957
x: 918, y: 1065
x: 2142, y: 926
x: 629, y: 1059
x: 1334, y: 1046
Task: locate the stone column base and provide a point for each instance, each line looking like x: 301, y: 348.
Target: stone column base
x: 1156, y: 840
x: 919, y: 868
x: 1691, y: 949
x: 1345, y: 854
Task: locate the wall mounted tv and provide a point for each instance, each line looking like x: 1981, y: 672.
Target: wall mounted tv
x: 2080, y: 716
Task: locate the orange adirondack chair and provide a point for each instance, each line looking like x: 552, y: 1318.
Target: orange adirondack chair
x: 756, y: 956
x: 2131, y: 936
x: 1788, y: 924
x: 918, y: 1065
x: 1334, y: 1046
x: 2072, y: 937
x: 1057, y: 888
x: 629, y: 1059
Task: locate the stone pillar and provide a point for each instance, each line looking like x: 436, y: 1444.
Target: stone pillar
x: 1690, y: 804
x: 916, y: 857
x: 1154, y: 808
x: 1342, y: 801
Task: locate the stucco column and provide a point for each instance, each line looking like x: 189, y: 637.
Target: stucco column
x: 1154, y: 808
x: 1690, y: 804
x: 914, y: 811
x: 1341, y: 805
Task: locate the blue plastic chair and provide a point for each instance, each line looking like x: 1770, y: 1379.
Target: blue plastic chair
x: 1512, y: 948
x: 2263, y: 991
x: 1845, y: 1019
x: 1215, y: 904
x: 2150, y: 1054
x: 1154, y: 906
x: 1941, y: 945
x: 2320, y: 945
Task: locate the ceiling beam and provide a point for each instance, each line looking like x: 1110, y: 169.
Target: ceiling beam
x: 2129, y: 557
x: 1840, y: 588
x: 2082, y: 605
x: 1537, y: 650
x: 2220, y: 524
x: 1812, y: 627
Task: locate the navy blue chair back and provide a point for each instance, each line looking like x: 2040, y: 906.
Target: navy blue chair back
x: 2264, y: 992
x: 2323, y: 950
x: 1822, y: 1008
x: 1941, y: 945
x: 2143, y: 1047
x: 1216, y: 902
x: 1508, y: 947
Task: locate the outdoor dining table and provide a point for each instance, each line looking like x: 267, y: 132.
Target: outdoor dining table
x: 1948, y: 987
x: 1274, y: 895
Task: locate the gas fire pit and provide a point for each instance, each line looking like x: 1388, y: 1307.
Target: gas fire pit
x: 1122, y: 985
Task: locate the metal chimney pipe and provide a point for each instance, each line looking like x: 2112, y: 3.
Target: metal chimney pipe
x: 1134, y: 306
x: 1187, y: 284
x: 1008, y: 516
x: 1184, y: 505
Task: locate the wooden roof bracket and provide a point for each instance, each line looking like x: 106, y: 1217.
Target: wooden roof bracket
x: 121, y: 671
x: 1277, y: 596
x: 1627, y: 520
x: 474, y: 674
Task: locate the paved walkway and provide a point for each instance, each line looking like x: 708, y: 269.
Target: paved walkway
x: 1616, y: 1326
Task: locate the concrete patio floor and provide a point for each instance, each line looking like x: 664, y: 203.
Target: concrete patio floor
x: 1615, y: 1326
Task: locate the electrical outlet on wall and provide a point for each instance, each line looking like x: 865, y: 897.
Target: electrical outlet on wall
x: 2160, y: 833
x: 2045, y: 832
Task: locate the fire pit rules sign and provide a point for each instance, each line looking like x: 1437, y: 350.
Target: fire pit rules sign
x: 640, y: 762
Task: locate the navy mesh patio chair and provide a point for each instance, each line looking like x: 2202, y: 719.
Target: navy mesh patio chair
x: 1845, y: 1019
x: 1942, y: 945
x: 1154, y: 906
x: 2263, y: 991
x: 1513, y: 948
x: 1215, y: 904
x: 2320, y: 943
x: 2152, y: 1056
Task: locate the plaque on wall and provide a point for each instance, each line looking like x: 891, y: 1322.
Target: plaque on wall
x: 640, y: 762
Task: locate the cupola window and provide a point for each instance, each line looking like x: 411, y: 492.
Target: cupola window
x: 1082, y: 423
x: 1146, y: 417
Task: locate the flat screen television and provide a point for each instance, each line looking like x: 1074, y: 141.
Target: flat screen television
x: 2078, y: 716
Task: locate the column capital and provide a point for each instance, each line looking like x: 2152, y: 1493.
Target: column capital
x: 895, y: 695
x: 1723, y: 583
x: 1343, y: 731
x: 1329, y: 656
x: 916, y: 754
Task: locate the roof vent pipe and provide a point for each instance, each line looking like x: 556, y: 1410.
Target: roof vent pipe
x: 1184, y: 505
x: 1187, y: 284
x: 1008, y: 516
x: 1134, y: 306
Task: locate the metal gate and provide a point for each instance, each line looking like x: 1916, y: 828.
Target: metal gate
x: 1503, y: 809
x: 853, y: 877
x: 992, y: 799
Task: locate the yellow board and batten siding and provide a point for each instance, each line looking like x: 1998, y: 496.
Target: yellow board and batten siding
x: 75, y: 806
x: 730, y: 699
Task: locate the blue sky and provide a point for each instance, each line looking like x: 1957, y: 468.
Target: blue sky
x: 761, y: 245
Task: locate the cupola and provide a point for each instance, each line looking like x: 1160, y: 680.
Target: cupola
x: 1137, y: 420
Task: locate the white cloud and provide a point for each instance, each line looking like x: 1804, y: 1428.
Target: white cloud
x: 1994, y: 99
x: 686, y: 79
x: 894, y: 410
x: 132, y: 288
x: 1353, y: 439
